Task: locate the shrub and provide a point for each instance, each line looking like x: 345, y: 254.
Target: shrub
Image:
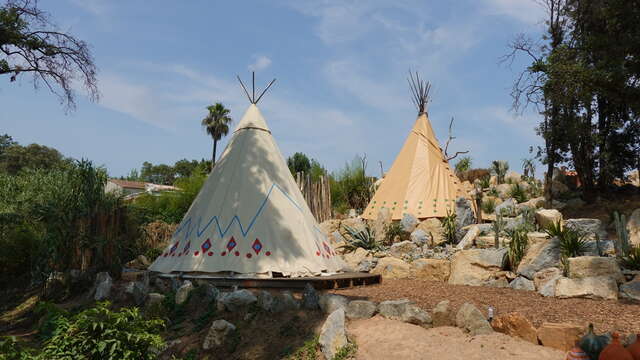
x: 517, y: 192
x: 395, y: 229
x: 488, y: 205
x: 517, y: 246
x: 485, y: 181
x: 364, y: 238
x: 350, y: 187
x: 464, y: 164
x: 493, y: 192
x: 572, y: 242
x: 100, y: 333
x: 12, y: 349
x: 631, y: 261
x: 498, y: 228
x: 450, y: 227
x: 499, y: 168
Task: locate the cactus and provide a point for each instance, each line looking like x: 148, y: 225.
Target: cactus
x: 498, y: 226
x: 622, y: 244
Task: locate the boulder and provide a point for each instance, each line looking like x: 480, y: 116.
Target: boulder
x: 209, y: 291
x: 183, y: 292
x: 288, y: 301
x: 393, y: 309
x: 392, y: 268
x: 575, y: 203
x: 433, y: 228
x: 558, y: 188
x: 354, y: 258
x: 161, y: 286
x: 469, y: 238
x: 381, y: 223
x: 332, y: 302
x: 333, y: 335
x: 597, y: 287
x: 589, y: 266
x: 489, y: 241
x: 591, y: 227
x: 540, y: 255
x: 464, y: 213
x: 402, y: 249
x: 431, y: 269
x: 354, y: 223
x: 512, y: 176
x: 154, y: 299
x: 633, y: 226
x: 420, y: 237
x: 558, y: 335
x: 499, y: 283
x: 414, y: 315
x: 532, y: 203
x: 329, y: 226
x: 360, y: 309
x: 441, y: 314
x: 103, y: 286
x: 476, y: 266
x: 546, y: 217
x: 409, y: 222
x: 310, y: 298
x: 522, y: 283
x: 137, y: 291
x: 535, y: 237
x: 218, y: 333
x: 515, y: 324
x: 237, y: 300
x: 545, y: 281
x: 507, y: 207
x: 503, y: 191
x: 471, y: 319
x: 630, y: 290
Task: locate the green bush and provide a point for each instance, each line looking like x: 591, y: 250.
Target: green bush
x: 12, y: 349
x: 350, y: 187
x: 464, y: 164
x: 100, y: 333
x: 395, y: 229
x: 632, y: 260
x: 488, y: 205
x: 572, y: 242
x: 517, y: 192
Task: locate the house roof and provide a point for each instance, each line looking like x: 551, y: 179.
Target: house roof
x: 129, y: 184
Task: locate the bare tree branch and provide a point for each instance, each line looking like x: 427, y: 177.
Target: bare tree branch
x: 446, y: 147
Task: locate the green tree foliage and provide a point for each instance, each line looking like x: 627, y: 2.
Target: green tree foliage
x: 351, y: 188
x: 103, y: 334
x: 5, y: 142
x: 299, y: 162
x: 15, y: 157
x: 216, y: 124
x: 168, y: 175
x: 31, y: 44
x: 464, y: 164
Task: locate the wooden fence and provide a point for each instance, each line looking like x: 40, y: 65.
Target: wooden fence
x: 317, y: 194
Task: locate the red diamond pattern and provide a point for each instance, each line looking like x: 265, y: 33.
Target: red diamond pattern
x: 257, y: 246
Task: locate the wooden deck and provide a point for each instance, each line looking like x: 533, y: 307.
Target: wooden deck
x: 338, y: 281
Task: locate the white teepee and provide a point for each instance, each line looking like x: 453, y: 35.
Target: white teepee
x: 250, y: 218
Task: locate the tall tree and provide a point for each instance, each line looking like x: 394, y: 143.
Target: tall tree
x: 299, y: 162
x: 31, y: 44
x: 216, y: 124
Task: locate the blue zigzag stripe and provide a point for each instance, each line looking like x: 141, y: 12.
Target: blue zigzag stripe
x: 199, y: 231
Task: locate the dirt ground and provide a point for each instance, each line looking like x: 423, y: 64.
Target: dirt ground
x: 380, y: 338
x: 606, y: 315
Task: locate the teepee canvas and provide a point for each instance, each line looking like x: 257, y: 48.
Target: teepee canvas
x: 420, y: 181
x: 250, y: 218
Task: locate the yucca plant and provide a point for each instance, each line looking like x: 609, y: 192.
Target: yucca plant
x: 517, y: 246
x: 485, y: 182
x: 499, y: 168
x: 364, y: 238
x: 631, y: 260
x: 450, y: 227
x: 572, y: 242
x: 517, y: 192
x: 489, y: 205
x: 498, y: 228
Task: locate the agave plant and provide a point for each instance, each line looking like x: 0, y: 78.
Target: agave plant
x: 573, y: 243
x: 517, y: 192
x: 499, y: 168
x: 364, y: 238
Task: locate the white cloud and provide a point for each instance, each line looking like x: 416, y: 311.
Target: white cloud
x: 526, y: 11
x: 260, y: 63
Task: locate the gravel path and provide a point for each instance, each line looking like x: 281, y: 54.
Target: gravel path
x: 606, y: 315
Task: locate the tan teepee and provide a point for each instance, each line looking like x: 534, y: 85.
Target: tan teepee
x: 250, y: 217
x: 420, y: 181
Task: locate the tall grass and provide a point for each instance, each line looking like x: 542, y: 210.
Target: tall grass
x: 351, y: 188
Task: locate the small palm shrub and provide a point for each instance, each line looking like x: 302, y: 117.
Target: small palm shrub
x: 517, y: 246
x: 395, y: 229
x: 100, y: 333
x: 632, y: 260
x: 450, y: 227
x: 517, y: 192
x: 364, y: 238
x: 499, y: 168
x: 489, y: 205
x: 485, y: 181
x: 572, y: 242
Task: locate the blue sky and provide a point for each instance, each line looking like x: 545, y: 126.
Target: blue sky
x: 341, y: 68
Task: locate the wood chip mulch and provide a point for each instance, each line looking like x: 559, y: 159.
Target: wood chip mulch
x: 606, y: 315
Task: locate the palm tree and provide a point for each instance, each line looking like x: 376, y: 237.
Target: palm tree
x: 216, y: 124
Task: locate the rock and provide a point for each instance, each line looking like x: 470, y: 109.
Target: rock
x: 409, y: 222
x: 575, y: 203
x: 546, y: 217
x: 558, y: 205
x: 393, y: 309
x: 433, y: 228
x: 354, y: 223
x: 606, y: 248
x: 218, y: 333
x: 532, y: 203
x: 103, y: 286
x: 507, y: 208
x: 210, y: 292
x: 489, y: 241
x: 499, y: 283
x: 540, y: 255
x: 630, y: 290
x: 289, y: 302
x: 237, y: 300
x: 129, y: 275
x: 441, y: 315
x: 597, y: 287
x: 476, y: 266
x: 310, y: 298
x: 590, y: 227
x: 381, y: 223
x: 503, y: 191
x: 471, y: 319
x: 402, y: 249
x: 367, y: 265
x: 360, y: 309
x: 512, y: 176
x: 336, y: 240
x: 161, y: 286
x: 420, y: 237
x: 332, y: 302
x: 329, y: 226
x: 431, y: 269
x: 535, y: 237
x: 352, y: 213
x: 183, y: 292
x: 464, y: 213
x: 515, y: 324
x: 633, y: 226
x: 138, y: 291
x: 392, y: 268
x: 545, y: 281
x: 333, y: 335
x: 154, y: 299
x: 56, y: 285
x: 415, y: 315
x: 559, y: 336
x: 469, y: 238
x: 522, y: 283
x: 589, y: 266
x: 558, y: 188
x: 268, y: 302
x: 354, y: 258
